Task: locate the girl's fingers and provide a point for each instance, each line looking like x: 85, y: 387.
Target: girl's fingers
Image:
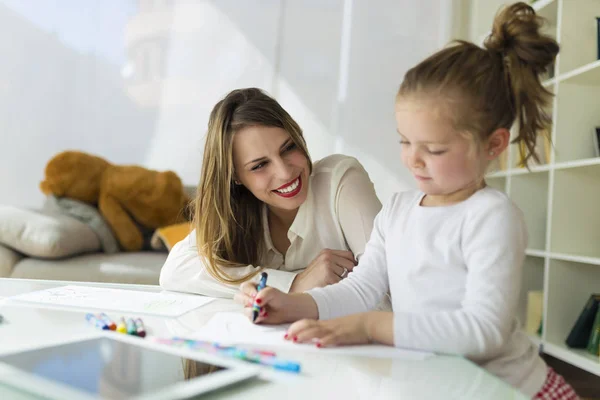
x: 299, y: 326
x: 241, y: 298
x: 330, y: 340
x: 248, y: 313
x: 249, y: 288
x: 308, y: 335
x: 266, y: 295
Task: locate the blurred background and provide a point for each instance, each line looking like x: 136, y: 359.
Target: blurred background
x: 134, y: 80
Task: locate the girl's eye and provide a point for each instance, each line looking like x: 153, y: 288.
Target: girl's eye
x: 258, y: 166
x: 437, y: 153
x: 404, y: 143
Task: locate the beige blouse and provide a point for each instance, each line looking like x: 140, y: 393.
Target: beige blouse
x: 338, y: 214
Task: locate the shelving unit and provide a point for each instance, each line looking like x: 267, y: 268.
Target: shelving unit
x: 561, y: 197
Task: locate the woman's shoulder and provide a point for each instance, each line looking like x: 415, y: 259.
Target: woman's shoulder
x: 336, y: 163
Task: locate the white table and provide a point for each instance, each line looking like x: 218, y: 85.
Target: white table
x: 342, y: 377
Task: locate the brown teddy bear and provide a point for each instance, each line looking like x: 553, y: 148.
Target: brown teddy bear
x: 129, y: 197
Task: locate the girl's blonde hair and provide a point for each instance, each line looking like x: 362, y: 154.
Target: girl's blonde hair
x: 487, y: 89
x: 227, y: 216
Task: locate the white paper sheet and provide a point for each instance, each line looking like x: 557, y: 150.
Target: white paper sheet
x: 165, y: 304
x: 236, y: 328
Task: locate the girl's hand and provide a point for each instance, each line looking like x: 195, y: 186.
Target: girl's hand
x: 353, y: 329
x: 246, y: 294
x: 276, y: 307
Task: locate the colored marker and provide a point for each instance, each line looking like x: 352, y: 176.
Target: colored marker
x: 274, y: 362
x: 111, y: 325
x: 98, y: 323
x: 131, y: 328
x: 140, y: 329
x: 261, y: 285
x: 122, y: 326
x: 254, y: 356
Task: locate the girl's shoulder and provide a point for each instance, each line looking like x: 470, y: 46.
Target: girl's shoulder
x: 403, y: 201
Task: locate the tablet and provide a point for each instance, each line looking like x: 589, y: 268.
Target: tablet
x: 116, y: 366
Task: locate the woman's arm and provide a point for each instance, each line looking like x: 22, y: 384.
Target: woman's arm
x: 184, y: 271
x: 357, y: 206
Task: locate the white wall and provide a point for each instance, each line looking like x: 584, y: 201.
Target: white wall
x: 134, y: 81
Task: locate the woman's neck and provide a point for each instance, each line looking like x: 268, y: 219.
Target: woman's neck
x: 283, y: 219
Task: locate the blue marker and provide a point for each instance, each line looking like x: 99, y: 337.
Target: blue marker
x: 261, y: 285
x: 98, y: 323
x: 270, y: 361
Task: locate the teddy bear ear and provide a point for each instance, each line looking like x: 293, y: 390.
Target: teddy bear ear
x: 49, y: 189
x: 44, y: 187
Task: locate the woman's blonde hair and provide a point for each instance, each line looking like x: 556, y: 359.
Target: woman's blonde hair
x: 227, y: 216
x: 490, y: 88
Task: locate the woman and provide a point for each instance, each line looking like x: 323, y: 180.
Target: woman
x: 262, y: 203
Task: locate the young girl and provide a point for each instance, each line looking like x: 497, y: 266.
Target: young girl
x: 452, y: 253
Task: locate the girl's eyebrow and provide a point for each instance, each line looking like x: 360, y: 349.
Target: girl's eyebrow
x: 422, y: 141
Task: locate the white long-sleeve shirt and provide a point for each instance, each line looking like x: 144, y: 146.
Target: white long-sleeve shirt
x: 338, y: 213
x: 454, y: 274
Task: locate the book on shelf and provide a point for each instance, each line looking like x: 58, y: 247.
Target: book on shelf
x: 596, y: 140
x: 580, y: 333
x: 594, y: 340
x: 535, y: 304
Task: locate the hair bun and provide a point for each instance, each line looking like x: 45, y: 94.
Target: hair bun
x: 516, y: 32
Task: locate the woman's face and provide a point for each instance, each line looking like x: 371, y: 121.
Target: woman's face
x: 269, y: 164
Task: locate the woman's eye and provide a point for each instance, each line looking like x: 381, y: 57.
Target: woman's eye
x: 437, y: 153
x: 404, y: 143
x: 291, y: 147
x: 258, y: 166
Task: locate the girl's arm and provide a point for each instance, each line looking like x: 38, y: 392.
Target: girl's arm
x: 493, y: 244
x: 364, y: 288
x: 184, y: 271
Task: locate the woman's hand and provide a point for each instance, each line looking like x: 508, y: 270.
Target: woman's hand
x: 330, y: 266
x: 353, y: 329
x: 276, y: 307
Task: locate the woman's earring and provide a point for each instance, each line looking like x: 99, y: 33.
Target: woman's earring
x: 237, y: 182
x: 492, y: 153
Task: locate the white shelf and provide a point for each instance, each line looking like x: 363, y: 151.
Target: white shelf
x: 535, y: 339
x: 575, y: 258
x: 587, y: 75
x: 560, y: 200
x: 578, y: 357
x: 586, y: 162
x: 577, y: 163
x: 536, y: 253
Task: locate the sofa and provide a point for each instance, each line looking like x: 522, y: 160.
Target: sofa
x: 49, y: 243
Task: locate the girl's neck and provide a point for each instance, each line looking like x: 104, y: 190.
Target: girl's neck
x: 452, y: 198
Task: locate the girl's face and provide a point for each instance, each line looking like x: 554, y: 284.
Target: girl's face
x: 442, y: 161
x: 269, y: 164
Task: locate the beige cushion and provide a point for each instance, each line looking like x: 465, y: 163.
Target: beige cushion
x: 45, y: 235
x: 141, y: 268
x: 8, y: 259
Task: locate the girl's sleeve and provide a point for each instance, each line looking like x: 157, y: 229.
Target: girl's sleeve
x: 185, y: 271
x: 365, y: 287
